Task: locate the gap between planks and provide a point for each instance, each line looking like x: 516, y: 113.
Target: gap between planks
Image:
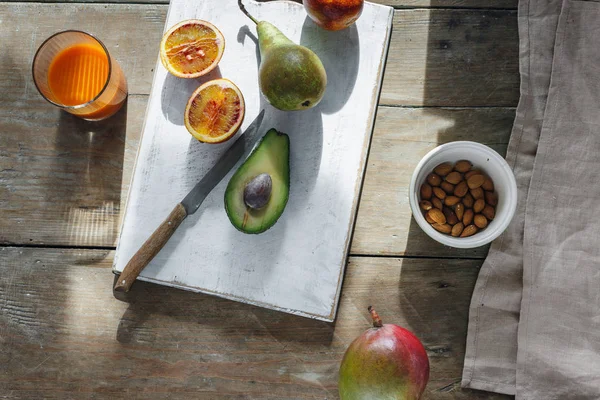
x: 358, y: 255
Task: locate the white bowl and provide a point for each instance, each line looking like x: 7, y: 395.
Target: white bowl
x: 483, y: 158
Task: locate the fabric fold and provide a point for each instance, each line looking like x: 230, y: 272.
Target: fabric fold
x: 535, y: 313
x: 559, y: 333
x: 491, y: 351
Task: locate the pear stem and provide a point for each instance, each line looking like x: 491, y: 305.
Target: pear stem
x: 243, y: 8
x: 377, y: 323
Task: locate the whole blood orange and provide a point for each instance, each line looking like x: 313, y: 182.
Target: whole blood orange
x: 192, y: 48
x: 215, y: 111
x: 333, y: 15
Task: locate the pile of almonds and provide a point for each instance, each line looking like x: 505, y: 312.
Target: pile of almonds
x: 458, y: 200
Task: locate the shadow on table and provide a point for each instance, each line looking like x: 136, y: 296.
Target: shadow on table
x: 218, y: 333
x: 458, y: 43
x: 146, y: 300
x: 471, y: 65
x: 434, y: 298
x: 90, y: 154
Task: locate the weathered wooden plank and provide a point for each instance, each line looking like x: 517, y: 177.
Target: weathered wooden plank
x: 502, y: 4
x: 62, y: 177
x: 436, y: 58
x: 67, y: 186
x: 402, y: 137
x: 63, y: 335
x: 452, y: 58
x: 130, y: 32
x: 64, y: 180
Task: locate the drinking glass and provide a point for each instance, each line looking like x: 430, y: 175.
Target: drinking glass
x: 74, y: 71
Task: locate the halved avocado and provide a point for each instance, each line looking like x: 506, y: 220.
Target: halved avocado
x: 271, y: 156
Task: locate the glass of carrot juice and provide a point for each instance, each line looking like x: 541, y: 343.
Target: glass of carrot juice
x: 74, y: 71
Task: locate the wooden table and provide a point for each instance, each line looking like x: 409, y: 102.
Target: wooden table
x: 452, y: 74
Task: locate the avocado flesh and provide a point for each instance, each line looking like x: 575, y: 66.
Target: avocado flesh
x: 271, y: 156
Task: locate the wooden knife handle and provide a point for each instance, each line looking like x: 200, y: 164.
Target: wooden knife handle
x: 150, y: 248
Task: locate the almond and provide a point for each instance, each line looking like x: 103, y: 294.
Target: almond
x: 443, y: 169
x: 444, y: 228
x: 467, y: 217
x: 448, y: 187
x: 451, y: 218
x: 475, y: 181
x: 491, y: 198
x: 479, y: 205
x: 488, y: 185
x: 437, y: 215
x: 453, y: 177
x: 434, y: 179
x: 451, y: 200
x: 428, y: 219
x: 480, y: 221
x: 463, y: 166
x: 425, y: 205
x: 458, y: 199
x: 489, y: 212
x: 468, y: 201
x: 477, y: 193
x: 470, y: 230
x: 426, y: 191
x: 461, y: 189
x: 471, y: 173
x: 459, y: 210
x: 457, y: 229
x: 439, y: 193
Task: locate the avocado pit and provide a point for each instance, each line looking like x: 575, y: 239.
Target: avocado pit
x: 258, y: 191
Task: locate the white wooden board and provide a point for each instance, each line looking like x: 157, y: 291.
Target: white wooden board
x: 296, y: 266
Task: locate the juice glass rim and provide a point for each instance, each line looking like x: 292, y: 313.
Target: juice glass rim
x: 82, y: 105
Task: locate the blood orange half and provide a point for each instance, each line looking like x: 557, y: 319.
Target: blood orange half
x: 192, y: 48
x: 215, y: 111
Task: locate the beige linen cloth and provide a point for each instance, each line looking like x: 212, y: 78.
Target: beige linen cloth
x: 534, y: 323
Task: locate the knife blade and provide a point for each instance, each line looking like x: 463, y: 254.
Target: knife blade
x: 189, y: 205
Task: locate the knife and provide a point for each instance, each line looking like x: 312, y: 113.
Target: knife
x: 187, y: 206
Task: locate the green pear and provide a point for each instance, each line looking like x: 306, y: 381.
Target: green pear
x: 291, y: 77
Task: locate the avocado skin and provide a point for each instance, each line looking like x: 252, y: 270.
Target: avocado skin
x: 270, y: 156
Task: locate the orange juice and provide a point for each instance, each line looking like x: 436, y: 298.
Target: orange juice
x: 78, y: 74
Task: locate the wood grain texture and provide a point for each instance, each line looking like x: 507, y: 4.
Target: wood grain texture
x: 52, y: 196
x: 437, y: 57
x: 26, y: 25
x: 66, y: 184
x: 150, y: 248
x: 452, y: 58
x: 65, y: 180
x: 479, y: 4
x: 502, y: 4
x: 402, y: 137
x: 58, y: 341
